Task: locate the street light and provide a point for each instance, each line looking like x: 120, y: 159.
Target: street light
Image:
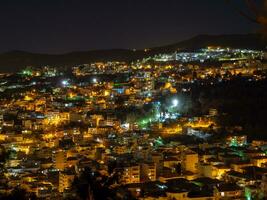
x: 65, y: 83
x: 175, y: 102
x: 94, y: 80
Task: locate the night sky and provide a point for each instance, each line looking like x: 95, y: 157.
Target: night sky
x: 59, y: 26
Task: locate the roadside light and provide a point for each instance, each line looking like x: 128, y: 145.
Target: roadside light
x: 94, y: 80
x: 175, y: 102
x: 65, y: 83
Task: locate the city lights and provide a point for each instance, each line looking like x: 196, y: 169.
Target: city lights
x: 176, y: 125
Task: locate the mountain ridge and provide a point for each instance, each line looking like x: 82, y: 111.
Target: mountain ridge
x: 15, y: 60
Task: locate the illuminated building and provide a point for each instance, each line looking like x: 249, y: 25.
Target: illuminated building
x: 65, y: 180
x: 236, y: 140
x: 148, y: 172
x: 228, y: 191
x: 259, y: 160
x: 60, y: 158
x: 131, y: 174
x: 213, y: 112
x: 207, y: 170
x: 190, y: 161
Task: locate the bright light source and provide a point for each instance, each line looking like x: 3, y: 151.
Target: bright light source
x: 65, y: 82
x: 94, y: 80
x: 125, y: 126
x: 175, y: 102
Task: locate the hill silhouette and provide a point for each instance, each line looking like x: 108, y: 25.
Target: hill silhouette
x: 16, y: 60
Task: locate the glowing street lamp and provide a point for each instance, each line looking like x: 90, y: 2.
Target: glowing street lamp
x: 175, y: 102
x: 65, y: 83
x: 94, y: 80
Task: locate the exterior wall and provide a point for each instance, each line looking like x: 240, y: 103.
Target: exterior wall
x: 190, y: 162
x: 180, y: 196
x: 149, y: 171
x: 131, y: 174
x: 60, y: 160
x: 65, y: 181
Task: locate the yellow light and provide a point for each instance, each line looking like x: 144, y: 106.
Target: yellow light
x: 107, y: 93
x: 200, y: 124
x: 27, y: 98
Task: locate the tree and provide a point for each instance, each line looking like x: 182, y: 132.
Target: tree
x: 257, y: 14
